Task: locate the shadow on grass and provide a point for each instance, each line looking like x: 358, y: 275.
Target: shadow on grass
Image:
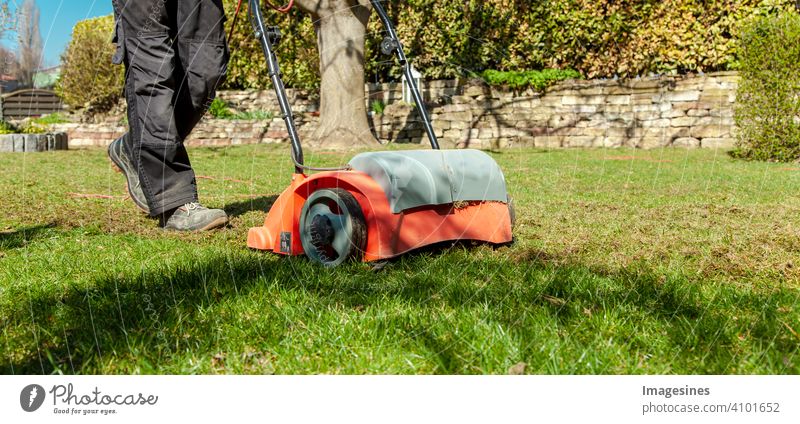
x: 15, y: 239
x: 160, y: 312
x: 263, y: 204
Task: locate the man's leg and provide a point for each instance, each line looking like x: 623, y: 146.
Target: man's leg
x: 203, y: 59
x: 147, y: 29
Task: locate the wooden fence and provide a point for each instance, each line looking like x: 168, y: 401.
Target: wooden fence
x: 30, y: 103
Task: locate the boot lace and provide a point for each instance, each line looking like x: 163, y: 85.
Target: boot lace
x: 193, y: 206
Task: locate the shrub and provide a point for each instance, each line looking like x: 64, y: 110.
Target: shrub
x: 378, y: 107
x: 768, y: 97
x: 219, y: 109
x: 297, y: 52
x: 29, y: 126
x: 8, y: 128
x: 33, y: 127
x: 538, y: 80
x: 598, y: 38
x: 88, y: 78
x: 53, y: 118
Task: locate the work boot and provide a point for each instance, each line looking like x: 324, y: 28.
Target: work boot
x: 194, y: 217
x: 123, y: 164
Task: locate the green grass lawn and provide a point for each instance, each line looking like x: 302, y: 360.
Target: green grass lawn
x: 626, y: 261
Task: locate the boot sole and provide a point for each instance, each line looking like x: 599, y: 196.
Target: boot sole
x: 217, y: 223
x: 118, y: 169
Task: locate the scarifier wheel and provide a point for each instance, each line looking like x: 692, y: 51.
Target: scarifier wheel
x: 332, y: 227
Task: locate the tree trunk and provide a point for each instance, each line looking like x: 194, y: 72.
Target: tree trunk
x: 341, y: 27
x: 30, y: 43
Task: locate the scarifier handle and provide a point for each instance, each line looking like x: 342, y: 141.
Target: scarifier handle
x: 268, y: 37
x: 392, y: 44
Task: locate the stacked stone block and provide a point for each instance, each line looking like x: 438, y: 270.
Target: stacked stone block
x: 29, y: 143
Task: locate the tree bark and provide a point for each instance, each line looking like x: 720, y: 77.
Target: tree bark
x: 341, y: 27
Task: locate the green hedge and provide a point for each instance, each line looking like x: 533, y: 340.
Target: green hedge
x: 88, y: 78
x: 598, y: 38
x: 768, y: 97
x: 297, y: 52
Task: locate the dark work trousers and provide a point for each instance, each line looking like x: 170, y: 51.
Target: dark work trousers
x: 175, y: 56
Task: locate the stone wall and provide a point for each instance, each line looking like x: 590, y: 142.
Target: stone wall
x: 694, y: 111
x: 688, y: 111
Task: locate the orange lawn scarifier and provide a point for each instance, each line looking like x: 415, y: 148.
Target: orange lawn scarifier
x: 382, y: 204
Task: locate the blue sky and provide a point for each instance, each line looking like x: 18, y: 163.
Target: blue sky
x: 56, y: 22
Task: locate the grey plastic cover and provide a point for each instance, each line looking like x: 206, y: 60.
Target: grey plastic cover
x: 414, y: 178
